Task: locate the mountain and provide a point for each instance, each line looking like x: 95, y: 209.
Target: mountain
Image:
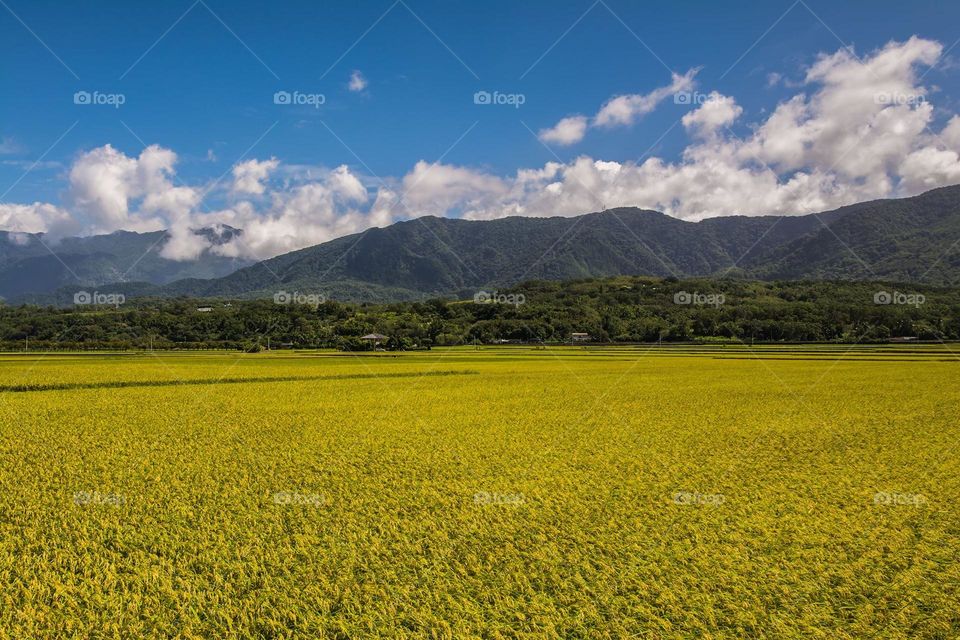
x: 906, y: 240
x: 32, y: 264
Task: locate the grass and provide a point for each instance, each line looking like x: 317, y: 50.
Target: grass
x: 798, y: 492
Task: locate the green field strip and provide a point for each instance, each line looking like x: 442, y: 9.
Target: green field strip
x: 122, y: 384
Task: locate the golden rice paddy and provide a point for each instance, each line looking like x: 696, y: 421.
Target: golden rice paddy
x: 713, y: 492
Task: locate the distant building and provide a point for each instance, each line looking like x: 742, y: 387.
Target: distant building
x: 375, y: 338
x: 580, y: 337
x: 204, y: 309
x: 904, y: 339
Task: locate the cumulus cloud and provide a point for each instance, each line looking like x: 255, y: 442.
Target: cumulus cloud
x: 249, y: 176
x: 928, y: 168
x: 105, y: 182
x: 859, y: 128
x: 568, y: 131
x: 357, y: 82
x: 951, y: 133
x: 863, y: 120
x: 38, y: 217
x: 300, y: 216
x: 627, y: 109
x: 619, y: 111
x: 436, y: 189
x: 717, y: 112
x: 110, y: 190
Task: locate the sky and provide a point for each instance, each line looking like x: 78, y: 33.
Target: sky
x: 299, y: 122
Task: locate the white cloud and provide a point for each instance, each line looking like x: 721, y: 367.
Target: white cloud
x: 299, y: 217
x: 951, y: 133
x: 864, y: 118
x: 567, y: 131
x: 436, y: 189
x: 176, y: 205
x: 627, y: 109
x: 928, y: 168
x: 105, y: 182
x: 716, y: 112
x: 36, y: 218
x: 249, y: 176
x: 110, y: 190
x: 183, y: 244
x: 101, y: 184
x: 619, y: 111
x: 357, y: 82
x: 858, y: 130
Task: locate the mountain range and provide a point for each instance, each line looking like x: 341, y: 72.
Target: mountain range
x: 903, y: 240
x: 31, y: 264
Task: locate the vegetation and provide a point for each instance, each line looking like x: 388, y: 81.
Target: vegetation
x: 623, y: 309
x: 30, y: 264
x: 675, y: 492
x: 906, y: 240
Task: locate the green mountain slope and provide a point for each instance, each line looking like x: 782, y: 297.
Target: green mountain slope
x: 909, y: 240
x: 31, y: 264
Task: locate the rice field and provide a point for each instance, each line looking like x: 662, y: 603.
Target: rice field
x: 630, y: 492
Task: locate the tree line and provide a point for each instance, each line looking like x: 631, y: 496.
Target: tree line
x: 621, y: 309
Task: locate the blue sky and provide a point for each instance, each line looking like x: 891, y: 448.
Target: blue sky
x: 199, y: 79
